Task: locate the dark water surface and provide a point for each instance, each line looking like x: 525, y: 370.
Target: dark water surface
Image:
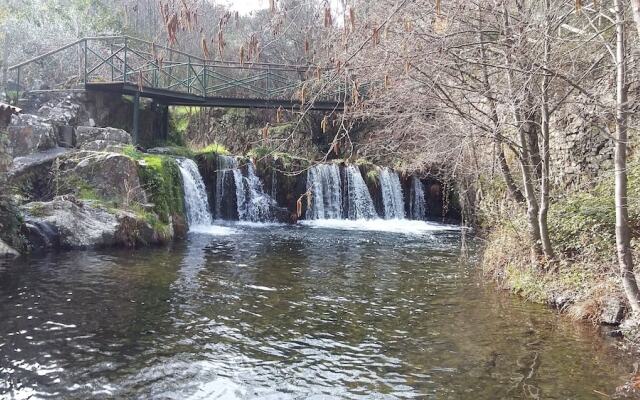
x: 286, y: 312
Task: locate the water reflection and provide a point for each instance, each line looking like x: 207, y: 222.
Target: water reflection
x: 285, y: 312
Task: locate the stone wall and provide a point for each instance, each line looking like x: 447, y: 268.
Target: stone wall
x: 580, y: 151
x: 95, y: 109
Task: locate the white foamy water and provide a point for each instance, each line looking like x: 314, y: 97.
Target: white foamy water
x: 214, y: 230
x: 381, y: 225
x: 195, y: 194
x: 249, y: 224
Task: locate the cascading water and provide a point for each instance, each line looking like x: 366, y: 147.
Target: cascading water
x: 392, y: 198
x: 257, y: 206
x: 417, y: 203
x: 227, y: 175
x: 359, y: 204
x: 251, y: 204
x: 195, y: 194
x: 326, y: 193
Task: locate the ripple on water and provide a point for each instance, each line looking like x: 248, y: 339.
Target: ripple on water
x: 285, y: 312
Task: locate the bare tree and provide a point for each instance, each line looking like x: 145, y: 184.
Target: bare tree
x: 623, y: 236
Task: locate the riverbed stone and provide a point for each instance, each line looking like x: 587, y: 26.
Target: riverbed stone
x: 30, y: 134
x: 613, y: 311
x: 7, y: 251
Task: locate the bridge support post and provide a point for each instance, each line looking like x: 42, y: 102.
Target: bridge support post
x: 165, y: 122
x: 136, y: 117
x: 160, y: 122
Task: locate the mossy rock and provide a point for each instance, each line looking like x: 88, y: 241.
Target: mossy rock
x: 161, y: 179
x: 11, y: 224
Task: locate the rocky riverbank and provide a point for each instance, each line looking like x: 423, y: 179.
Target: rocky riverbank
x: 583, y: 282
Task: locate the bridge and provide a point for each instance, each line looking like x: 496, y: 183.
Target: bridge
x: 139, y: 68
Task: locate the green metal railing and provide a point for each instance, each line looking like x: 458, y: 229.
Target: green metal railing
x: 128, y: 60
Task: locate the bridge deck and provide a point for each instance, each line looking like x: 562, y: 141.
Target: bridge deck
x: 131, y: 66
x: 170, y: 97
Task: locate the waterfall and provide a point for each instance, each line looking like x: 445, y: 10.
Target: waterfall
x: 392, y: 198
x: 326, y: 194
x: 359, y: 204
x: 257, y: 206
x: 417, y: 203
x: 195, y: 194
x: 251, y: 203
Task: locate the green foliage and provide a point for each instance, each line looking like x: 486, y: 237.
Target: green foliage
x: 160, y: 177
x: 130, y: 151
x: 179, y: 119
x: 526, y: 283
x: 214, y: 148
x: 162, y: 228
x: 363, y: 162
x: 80, y: 188
x: 260, y: 152
x: 582, y: 229
x: 373, y: 176
x: 583, y: 223
x: 181, y: 151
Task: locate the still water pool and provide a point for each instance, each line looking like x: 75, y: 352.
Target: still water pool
x: 287, y: 312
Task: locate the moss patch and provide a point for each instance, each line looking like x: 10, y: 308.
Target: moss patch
x: 160, y: 177
x: 214, y: 148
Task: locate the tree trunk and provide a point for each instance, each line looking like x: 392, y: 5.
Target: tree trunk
x: 623, y: 237
x: 530, y: 195
x: 531, y: 123
x: 525, y: 152
x: 512, y: 188
x: 544, y: 130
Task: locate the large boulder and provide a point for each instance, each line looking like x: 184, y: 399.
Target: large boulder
x: 69, y: 223
x: 85, y: 174
x: 110, y: 176
x: 101, y: 139
x: 32, y: 176
x: 30, y: 134
x: 60, y: 113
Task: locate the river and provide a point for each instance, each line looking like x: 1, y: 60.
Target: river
x: 244, y: 311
